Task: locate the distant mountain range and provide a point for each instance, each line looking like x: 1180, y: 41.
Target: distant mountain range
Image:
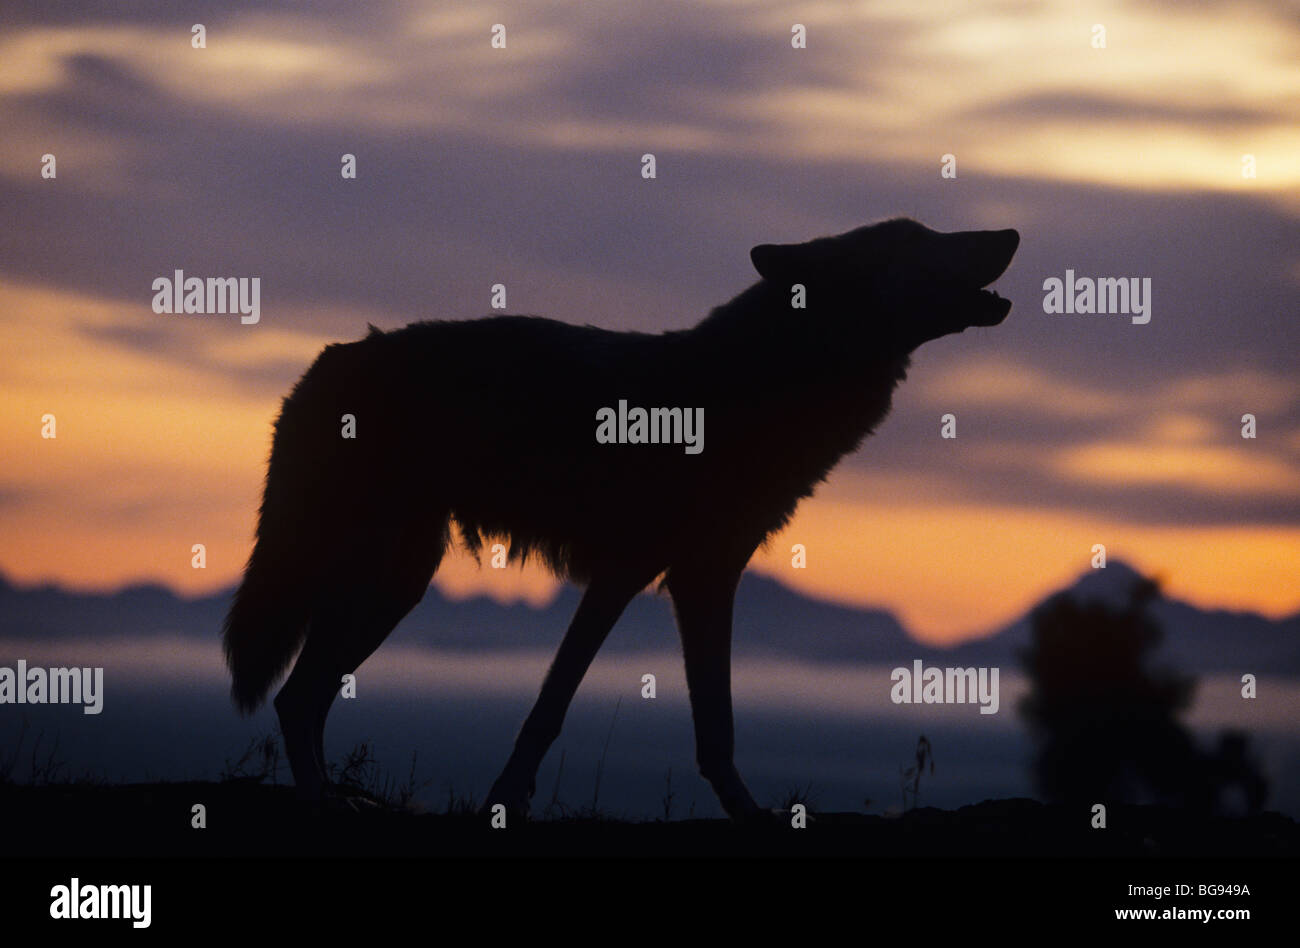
x: 770, y: 619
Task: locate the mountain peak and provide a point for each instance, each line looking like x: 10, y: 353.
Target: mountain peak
x: 1109, y: 585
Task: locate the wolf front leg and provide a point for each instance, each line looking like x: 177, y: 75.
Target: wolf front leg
x: 603, y: 602
x: 703, y: 598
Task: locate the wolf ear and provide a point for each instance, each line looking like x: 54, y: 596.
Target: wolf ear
x: 777, y: 261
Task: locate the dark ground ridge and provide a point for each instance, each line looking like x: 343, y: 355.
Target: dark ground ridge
x: 251, y: 820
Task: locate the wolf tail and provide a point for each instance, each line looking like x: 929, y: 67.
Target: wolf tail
x: 268, y: 619
x: 266, y: 624
x: 270, y: 615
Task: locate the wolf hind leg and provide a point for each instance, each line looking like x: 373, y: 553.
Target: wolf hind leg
x: 301, y: 705
x: 348, y: 624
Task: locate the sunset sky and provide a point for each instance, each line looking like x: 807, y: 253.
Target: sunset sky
x: 522, y: 166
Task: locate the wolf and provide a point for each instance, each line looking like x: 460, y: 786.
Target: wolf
x: 490, y: 427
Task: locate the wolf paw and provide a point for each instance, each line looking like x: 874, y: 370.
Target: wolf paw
x: 515, y: 798
x: 342, y: 798
x: 759, y: 817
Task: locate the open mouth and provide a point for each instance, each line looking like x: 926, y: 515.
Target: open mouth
x: 991, y: 309
x: 969, y: 261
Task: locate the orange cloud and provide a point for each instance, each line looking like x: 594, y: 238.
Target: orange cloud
x: 1201, y: 468
x: 950, y: 570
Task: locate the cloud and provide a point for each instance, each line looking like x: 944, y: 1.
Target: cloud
x: 1155, y: 450
x: 1016, y: 89
x: 1198, y: 469
x: 948, y: 565
x: 1004, y: 383
x: 1085, y: 106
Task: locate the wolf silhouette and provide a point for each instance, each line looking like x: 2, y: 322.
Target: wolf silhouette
x: 494, y: 425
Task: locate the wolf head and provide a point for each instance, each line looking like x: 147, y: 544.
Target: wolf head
x: 898, y: 282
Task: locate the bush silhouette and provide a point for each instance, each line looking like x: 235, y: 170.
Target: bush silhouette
x: 1107, y: 724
